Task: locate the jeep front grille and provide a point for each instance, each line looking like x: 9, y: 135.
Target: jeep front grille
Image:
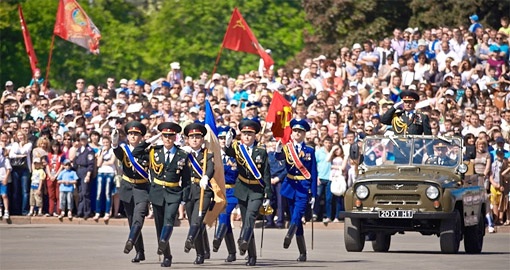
x: 391, y: 199
x: 403, y: 186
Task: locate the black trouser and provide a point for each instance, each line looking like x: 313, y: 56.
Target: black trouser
x: 136, y: 215
x: 164, y: 215
x: 249, y: 212
x: 83, y: 193
x: 194, y: 220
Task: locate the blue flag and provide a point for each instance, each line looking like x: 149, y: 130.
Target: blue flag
x: 209, y: 118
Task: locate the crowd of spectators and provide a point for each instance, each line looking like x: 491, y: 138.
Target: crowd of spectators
x: 461, y: 74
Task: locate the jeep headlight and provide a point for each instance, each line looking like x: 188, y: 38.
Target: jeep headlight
x: 362, y: 192
x: 432, y: 192
x: 463, y: 168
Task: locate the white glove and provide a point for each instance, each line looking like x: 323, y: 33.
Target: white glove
x: 153, y: 139
x: 183, y: 203
x: 312, y: 202
x: 398, y: 104
x: 115, y: 137
x: 278, y: 147
x: 229, y: 138
x: 187, y: 149
x: 266, y: 202
x: 204, y: 182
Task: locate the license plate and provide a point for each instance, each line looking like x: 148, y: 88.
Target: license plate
x: 396, y: 214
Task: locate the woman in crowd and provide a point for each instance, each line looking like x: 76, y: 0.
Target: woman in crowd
x: 55, y: 160
x: 19, y: 156
x: 106, y: 164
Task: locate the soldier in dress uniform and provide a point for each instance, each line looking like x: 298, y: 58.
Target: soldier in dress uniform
x: 224, y: 226
x: 406, y: 120
x: 253, y: 182
x: 300, y: 184
x: 200, y: 177
x: 84, y: 163
x: 134, y: 187
x: 170, y: 181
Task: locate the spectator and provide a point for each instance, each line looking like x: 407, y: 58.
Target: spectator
x: 106, y: 164
x: 5, y: 177
x: 19, y: 156
x: 67, y: 179
x: 56, y: 158
x: 38, y: 176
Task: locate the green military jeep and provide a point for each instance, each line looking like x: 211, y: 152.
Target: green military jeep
x: 414, y: 183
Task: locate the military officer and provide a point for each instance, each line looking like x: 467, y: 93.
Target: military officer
x: 253, y: 183
x: 200, y: 177
x: 134, y: 187
x: 406, y: 120
x: 170, y: 181
x: 441, y: 155
x: 300, y: 182
x: 224, y: 226
x: 84, y: 163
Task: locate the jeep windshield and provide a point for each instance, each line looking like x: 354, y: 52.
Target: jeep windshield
x: 412, y: 150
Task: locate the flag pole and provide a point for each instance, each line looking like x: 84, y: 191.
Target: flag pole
x: 217, y: 60
x: 49, y: 61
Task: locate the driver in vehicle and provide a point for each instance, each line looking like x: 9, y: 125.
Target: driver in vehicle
x: 441, y: 155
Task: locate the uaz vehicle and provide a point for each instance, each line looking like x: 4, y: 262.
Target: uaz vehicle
x: 414, y: 183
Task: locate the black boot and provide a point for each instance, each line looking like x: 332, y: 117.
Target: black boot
x: 220, y: 233
x: 244, y: 240
x: 140, y: 256
x: 133, y: 236
x: 167, y: 260
x: 231, y: 247
x: 205, y: 241
x: 300, y: 240
x: 252, y: 253
x: 190, y: 239
x: 166, y: 232
x: 290, y: 234
x: 200, y: 259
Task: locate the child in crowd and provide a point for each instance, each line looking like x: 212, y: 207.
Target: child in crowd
x: 38, y: 175
x: 67, y: 179
x: 5, y: 175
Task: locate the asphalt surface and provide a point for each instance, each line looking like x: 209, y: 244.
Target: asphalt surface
x: 70, y: 246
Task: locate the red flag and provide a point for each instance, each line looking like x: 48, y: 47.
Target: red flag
x: 28, y: 41
x: 75, y: 26
x: 239, y: 37
x: 280, y: 114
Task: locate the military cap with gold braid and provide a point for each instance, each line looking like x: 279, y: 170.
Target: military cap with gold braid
x: 170, y: 128
x: 195, y: 129
x: 135, y: 126
x: 409, y: 95
x: 249, y: 126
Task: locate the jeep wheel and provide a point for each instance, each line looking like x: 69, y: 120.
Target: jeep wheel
x: 382, y: 242
x: 473, y: 236
x: 353, y: 238
x: 451, y: 234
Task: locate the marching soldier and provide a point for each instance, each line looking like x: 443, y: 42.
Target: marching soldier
x: 84, y: 163
x: 198, y: 204
x: 170, y: 181
x: 134, y: 187
x: 300, y: 183
x: 224, y: 227
x: 253, y: 182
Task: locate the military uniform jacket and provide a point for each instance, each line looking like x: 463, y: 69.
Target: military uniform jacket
x: 176, y: 172
x: 127, y: 190
x: 254, y: 191
x: 418, y: 124
x: 292, y: 188
x: 195, y: 177
x: 85, y: 161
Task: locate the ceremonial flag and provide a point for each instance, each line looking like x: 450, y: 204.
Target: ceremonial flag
x: 218, y: 180
x: 280, y: 114
x: 209, y: 118
x: 28, y: 41
x: 75, y: 26
x: 239, y: 37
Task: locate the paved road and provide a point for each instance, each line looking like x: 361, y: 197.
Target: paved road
x: 100, y: 247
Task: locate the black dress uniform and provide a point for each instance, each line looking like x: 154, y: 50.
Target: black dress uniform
x: 170, y: 177
x: 84, y: 163
x: 133, y: 191
x: 248, y: 190
x: 195, y: 236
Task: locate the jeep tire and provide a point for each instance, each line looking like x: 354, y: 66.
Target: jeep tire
x: 473, y: 236
x: 451, y: 234
x: 382, y: 242
x: 353, y: 238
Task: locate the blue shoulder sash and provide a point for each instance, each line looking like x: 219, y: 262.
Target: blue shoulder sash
x: 135, y: 163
